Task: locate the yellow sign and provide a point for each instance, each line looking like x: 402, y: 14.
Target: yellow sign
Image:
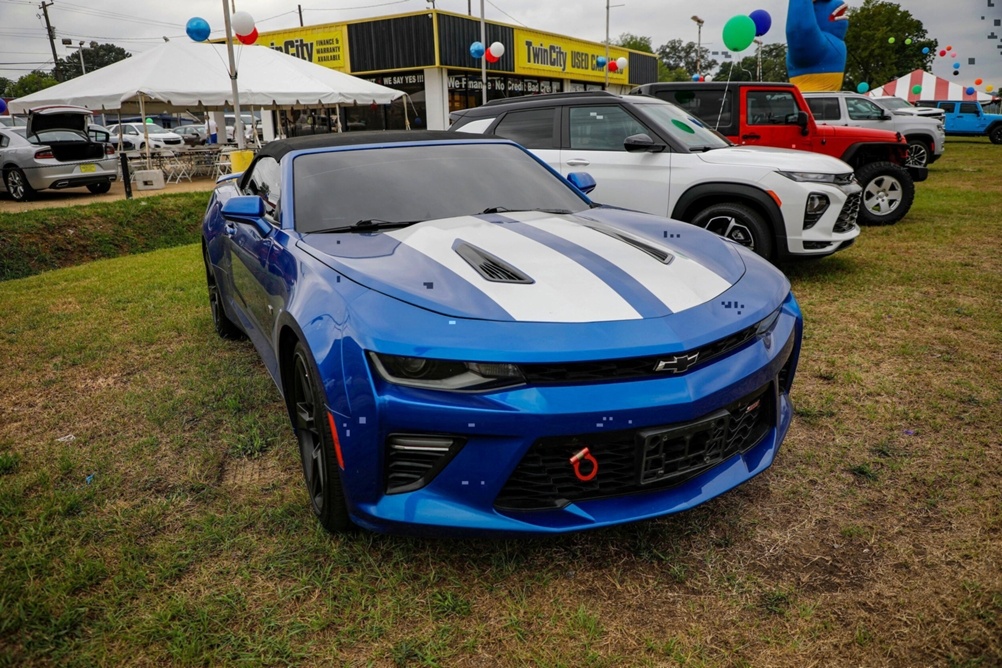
x: 327, y: 46
x: 548, y: 55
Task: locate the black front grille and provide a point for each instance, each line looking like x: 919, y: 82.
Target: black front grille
x: 847, y: 216
x: 633, y: 367
x: 634, y: 461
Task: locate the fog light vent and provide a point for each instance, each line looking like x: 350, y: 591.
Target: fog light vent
x: 817, y: 204
x: 413, y: 460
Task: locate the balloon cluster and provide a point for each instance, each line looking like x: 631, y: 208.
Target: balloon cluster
x: 740, y: 31
x: 198, y: 29
x: 492, y: 53
x: 618, y: 64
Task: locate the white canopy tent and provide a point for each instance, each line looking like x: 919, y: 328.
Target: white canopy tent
x: 193, y: 76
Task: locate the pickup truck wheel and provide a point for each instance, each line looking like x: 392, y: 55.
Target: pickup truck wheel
x: 995, y: 135
x: 888, y: 191
x: 738, y: 223
x: 918, y: 153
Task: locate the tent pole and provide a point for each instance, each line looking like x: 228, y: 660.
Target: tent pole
x: 238, y: 125
x: 146, y: 133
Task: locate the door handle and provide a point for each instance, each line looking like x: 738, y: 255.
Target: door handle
x: 230, y: 229
x: 751, y: 136
x: 578, y: 162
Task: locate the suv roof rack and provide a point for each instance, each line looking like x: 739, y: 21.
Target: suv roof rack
x: 550, y: 96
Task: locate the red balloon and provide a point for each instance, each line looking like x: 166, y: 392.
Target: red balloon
x: 613, y: 66
x: 702, y: 78
x: 248, y: 39
x: 490, y: 57
x: 942, y: 52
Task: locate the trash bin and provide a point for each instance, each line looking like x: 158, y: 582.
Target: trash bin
x: 241, y: 160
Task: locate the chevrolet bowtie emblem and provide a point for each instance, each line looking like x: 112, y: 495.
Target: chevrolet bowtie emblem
x: 677, y: 364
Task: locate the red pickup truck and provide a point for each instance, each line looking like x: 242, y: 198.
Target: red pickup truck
x: 776, y: 114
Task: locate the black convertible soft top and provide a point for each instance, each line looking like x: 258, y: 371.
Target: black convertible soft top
x: 277, y: 149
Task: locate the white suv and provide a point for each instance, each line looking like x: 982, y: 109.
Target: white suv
x: 650, y: 155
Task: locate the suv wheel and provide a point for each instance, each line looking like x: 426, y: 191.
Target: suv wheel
x: 918, y: 153
x: 996, y: 135
x: 888, y: 191
x: 739, y: 223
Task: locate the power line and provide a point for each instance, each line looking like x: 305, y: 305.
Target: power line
x: 506, y: 14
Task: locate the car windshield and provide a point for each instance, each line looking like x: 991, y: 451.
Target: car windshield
x: 337, y: 189
x: 683, y: 127
x: 151, y: 128
x: 893, y: 103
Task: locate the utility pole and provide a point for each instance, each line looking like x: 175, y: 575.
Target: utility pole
x: 758, y: 54
x: 52, y: 36
x: 300, y: 15
x: 607, y: 8
x: 699, y: 44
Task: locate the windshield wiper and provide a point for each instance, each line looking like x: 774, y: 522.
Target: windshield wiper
x: 504, y: 209
x: 366, y: 225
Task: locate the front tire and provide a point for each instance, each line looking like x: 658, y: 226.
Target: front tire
x: 225, y: 328
x: 316, y: 444
x: 918, y: 153
x: 100, y: 188
x: 995, y: 135
x: 888, y: 192
x: 740, y: 224
x: 17, y: 185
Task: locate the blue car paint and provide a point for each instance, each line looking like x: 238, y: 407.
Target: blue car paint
x: 326, y: 298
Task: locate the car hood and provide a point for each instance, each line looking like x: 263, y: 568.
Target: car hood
x: 775, y: 158
x: 537, y: 267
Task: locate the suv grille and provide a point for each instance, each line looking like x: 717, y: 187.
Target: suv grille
x: 847, y: 216
x: 637, y: 460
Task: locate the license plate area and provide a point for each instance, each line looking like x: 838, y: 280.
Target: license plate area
x: 681, y: 451
x: 89, y: 168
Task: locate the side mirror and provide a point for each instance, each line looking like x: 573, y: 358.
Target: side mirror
x: 803, y: 120
x: 583, y: 181
x: 642, y: 143
x: 249, y: 210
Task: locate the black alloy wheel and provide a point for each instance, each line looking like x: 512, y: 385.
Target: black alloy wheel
x: 995, y: 136
x: 740, y: 224
x: 316, y: 445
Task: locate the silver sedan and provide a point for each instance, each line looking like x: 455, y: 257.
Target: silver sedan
x: 53, y: 159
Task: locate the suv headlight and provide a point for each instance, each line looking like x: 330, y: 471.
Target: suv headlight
x: 432, y: 374
x: 809, y: 177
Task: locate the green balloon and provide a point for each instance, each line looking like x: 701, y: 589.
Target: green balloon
x: 739, y: 33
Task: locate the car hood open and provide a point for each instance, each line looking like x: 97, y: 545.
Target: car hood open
x: 537, y: 267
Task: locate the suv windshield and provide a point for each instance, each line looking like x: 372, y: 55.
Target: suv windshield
x: 398, y: 184
x: 893, y: 103
x: 683, y: 127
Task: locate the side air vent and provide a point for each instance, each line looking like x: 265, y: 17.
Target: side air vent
x: 492, y: 268
x: 658, y: 254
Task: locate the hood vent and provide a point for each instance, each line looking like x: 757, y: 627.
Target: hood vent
x: 492, y: 268
x: 658, y: 254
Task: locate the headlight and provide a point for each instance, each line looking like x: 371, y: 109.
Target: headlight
x: 435, y: 374
x: 810, y: 177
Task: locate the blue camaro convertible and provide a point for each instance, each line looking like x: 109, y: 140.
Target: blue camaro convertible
x: 467, y: 344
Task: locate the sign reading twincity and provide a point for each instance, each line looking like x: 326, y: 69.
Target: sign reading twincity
x: 325, y: 46
x: 547, y: 54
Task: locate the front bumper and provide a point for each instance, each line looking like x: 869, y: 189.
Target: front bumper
x: 501, y: 433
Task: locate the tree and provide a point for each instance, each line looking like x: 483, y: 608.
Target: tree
x: 6, y: 85
x: 628, y: 40
x: 679, y: 55
x: 95, y: 57
x: 746, y: 69
x: 32, y: 83
x: 872, y: 57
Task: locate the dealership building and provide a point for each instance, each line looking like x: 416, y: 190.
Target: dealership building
x: 427, y: 55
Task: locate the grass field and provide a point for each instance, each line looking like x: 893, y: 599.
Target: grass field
x: 152, y: 510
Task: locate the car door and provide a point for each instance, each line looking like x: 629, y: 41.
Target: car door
x: 770, y: 119
x: 593, y: 141
x: 251, y: 249
x: 863, y: 113
x: 976, y: 121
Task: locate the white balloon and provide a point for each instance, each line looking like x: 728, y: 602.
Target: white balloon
x: 708, y: 78
x: 243, y: 23
x: 621, y: 63
x: 497, y: 49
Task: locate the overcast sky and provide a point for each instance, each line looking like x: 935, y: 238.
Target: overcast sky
x: 137, y: 26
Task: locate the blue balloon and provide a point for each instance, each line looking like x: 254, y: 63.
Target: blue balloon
x: 956, y: 66
x: 197, y: 29
x: 695, y: 77
x: 477, y: 50
x: 601, y: 61
x: 969, y: 90
x: 862, y: 87
x: 3, y: 106
x: 762, y: 21
x: 925, y: 49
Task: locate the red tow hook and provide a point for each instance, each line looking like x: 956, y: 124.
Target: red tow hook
x: 576, y: 463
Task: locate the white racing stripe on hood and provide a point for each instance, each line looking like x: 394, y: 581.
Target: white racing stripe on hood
x: 680, y: 285
x: 563, y: 290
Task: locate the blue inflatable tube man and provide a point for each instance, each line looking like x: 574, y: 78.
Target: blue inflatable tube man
x: 815, y: 36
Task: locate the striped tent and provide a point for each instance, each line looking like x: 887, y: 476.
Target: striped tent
x: 933, y: 88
